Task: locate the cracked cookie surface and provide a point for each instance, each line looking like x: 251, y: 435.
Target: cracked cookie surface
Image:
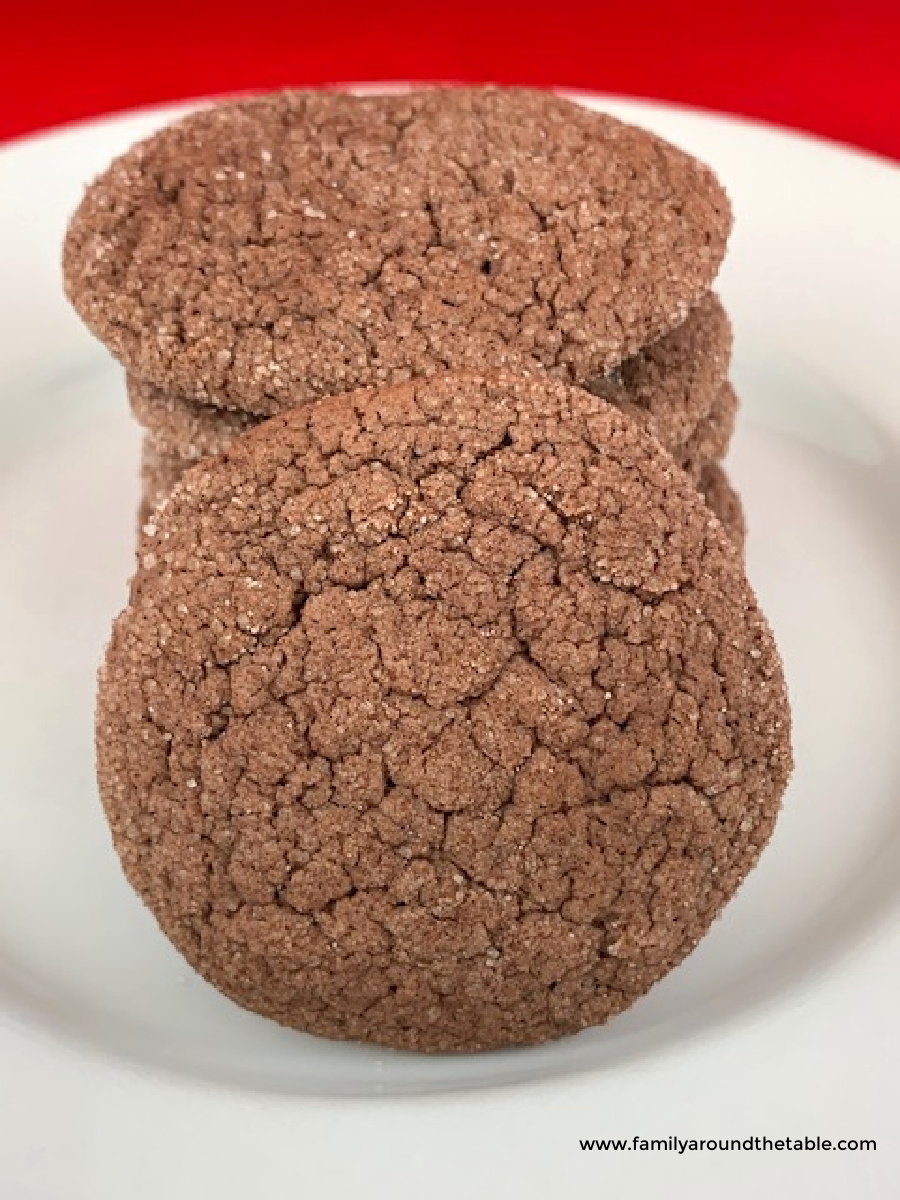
x: 675, y: 381
x: 160, y: 471
x: 441, y: 716
x: 297, y: 245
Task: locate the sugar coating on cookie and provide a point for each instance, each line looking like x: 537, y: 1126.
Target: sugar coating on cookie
x: 675, y: 381
x: 719, y: 494
x: 160, y: 471
x: 187, y: 429
x: 301, y: 244
x: 711, y: 439
x: 441, y: 716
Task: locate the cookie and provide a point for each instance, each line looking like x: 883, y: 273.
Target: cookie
x: 716, y: 489
x: 182, y: 428
x: 161, y: 473
x: 271, y: 251
x: 676, y: 381
x: 441, y: 716
x: 161, y: 467
x: 710, y: 440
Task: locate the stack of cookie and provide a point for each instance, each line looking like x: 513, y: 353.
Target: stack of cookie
x: 442, y: 714
x: 261, y: 255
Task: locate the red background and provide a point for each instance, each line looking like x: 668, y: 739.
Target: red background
x: 830, y: 66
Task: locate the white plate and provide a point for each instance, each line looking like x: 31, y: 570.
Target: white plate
x: 122, y: 1074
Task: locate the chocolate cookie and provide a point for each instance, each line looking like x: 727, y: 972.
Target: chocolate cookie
x: 160, y: 472
x: 441, y: 716
x: 676, y: 381
x: 710, y: 440
x: 715, y: 488
x: 712, y: 437
x: 185, y: 429
x: 271, y: 251
x: 162, y: 467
